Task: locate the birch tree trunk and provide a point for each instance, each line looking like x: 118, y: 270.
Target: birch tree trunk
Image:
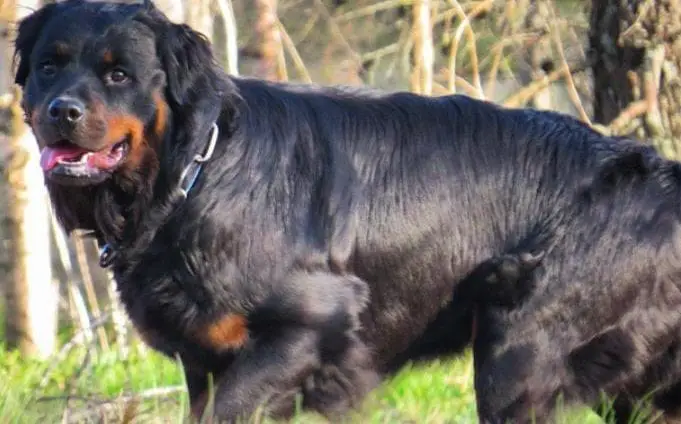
x: 198, y: 14
x: 174, y: 9
x: 226, y: 40
x: 636, y: 67
x: 31, y: 295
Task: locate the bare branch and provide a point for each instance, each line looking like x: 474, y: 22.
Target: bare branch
x: 497, y: 54
x: 89, y: 286
x: 526, y: 93
x: 572, y: 90
x: 337, y: 32
x: 291, y: 47
x: 422, y: 74
x: 472, y: 44
x: 80, y: 315
x: 75, y: 341
x: 647, y: 107
x: 632, y: 111
x: 372, y: 9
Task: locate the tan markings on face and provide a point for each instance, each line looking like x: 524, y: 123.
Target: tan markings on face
x: 122, y: 127
x: 161, y: 117
x: 107, y: 57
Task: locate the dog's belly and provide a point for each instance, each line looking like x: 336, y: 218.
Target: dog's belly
x: 402, y: 309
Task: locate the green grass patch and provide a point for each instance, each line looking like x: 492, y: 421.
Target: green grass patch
x: 88, y: 384
x: 106, y: 387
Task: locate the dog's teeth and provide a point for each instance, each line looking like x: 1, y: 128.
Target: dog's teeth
x: 83, y: 159
x: 80, y: 160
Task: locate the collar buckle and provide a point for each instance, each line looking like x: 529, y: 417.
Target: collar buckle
x: 193, y: 169
x: 107, y: 256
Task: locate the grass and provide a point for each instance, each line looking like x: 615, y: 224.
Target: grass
x: 36, y: 391
x: 102, y: 388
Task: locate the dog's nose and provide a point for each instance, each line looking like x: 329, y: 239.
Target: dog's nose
x: 66, y: 109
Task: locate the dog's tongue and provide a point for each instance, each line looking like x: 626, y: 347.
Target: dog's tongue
x: 50, y: 156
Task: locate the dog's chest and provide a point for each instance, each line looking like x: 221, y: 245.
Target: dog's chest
x: 169, y: 316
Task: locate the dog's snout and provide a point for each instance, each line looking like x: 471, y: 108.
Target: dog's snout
x: 66, y: 109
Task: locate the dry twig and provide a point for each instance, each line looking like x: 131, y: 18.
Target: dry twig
x: 89, y: 286
x: 291, y: 47
x: 75, y: 341
x: 497, y: 54
x: 522, y: 96
x: 97, y: 407
x: 77, y: 309
x: 372, y: 9
x: 648, y: 106
x: 422, y: 73
x: 465, y: 26
x: 336, y: 32
x: 572, y: 90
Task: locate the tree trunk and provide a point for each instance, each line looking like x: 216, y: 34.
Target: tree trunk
x: 31, y: 308
x: 199, y: 15
x: 215, y: 19
x: 31, y: 294
x: 226, y: 46
x: 636, y: 63
x: 271, y: 66
x: 422, y: 73
x: 174, y: 9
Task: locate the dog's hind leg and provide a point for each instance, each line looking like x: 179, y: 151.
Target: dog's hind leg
x: 669, y: 403
x: 509, y: 381
x: 663, y: 408
x: 519, y: 380
x: 514, y: 385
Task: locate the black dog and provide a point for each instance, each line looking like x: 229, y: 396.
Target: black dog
x: 242, y: 219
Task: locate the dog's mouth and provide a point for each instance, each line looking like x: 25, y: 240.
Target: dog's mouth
x: 65, y: 161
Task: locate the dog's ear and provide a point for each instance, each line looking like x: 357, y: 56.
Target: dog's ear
x: 189, y: 63
x: 28, y: 32
x: 196, y: 88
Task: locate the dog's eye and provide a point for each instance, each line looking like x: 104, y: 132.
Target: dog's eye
x: 47, y: 68
x: 118, y: 76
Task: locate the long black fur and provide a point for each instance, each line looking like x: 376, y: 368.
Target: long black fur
x: 312, y: 190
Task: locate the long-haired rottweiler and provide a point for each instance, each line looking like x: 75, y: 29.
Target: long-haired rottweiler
x: 293, y: 240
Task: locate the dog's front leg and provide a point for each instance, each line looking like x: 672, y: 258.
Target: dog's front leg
x: 302, y: 340
x: 267, y: 374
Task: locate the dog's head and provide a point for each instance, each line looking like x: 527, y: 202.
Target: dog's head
x: 101, y: 82
x: 119, y: 98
